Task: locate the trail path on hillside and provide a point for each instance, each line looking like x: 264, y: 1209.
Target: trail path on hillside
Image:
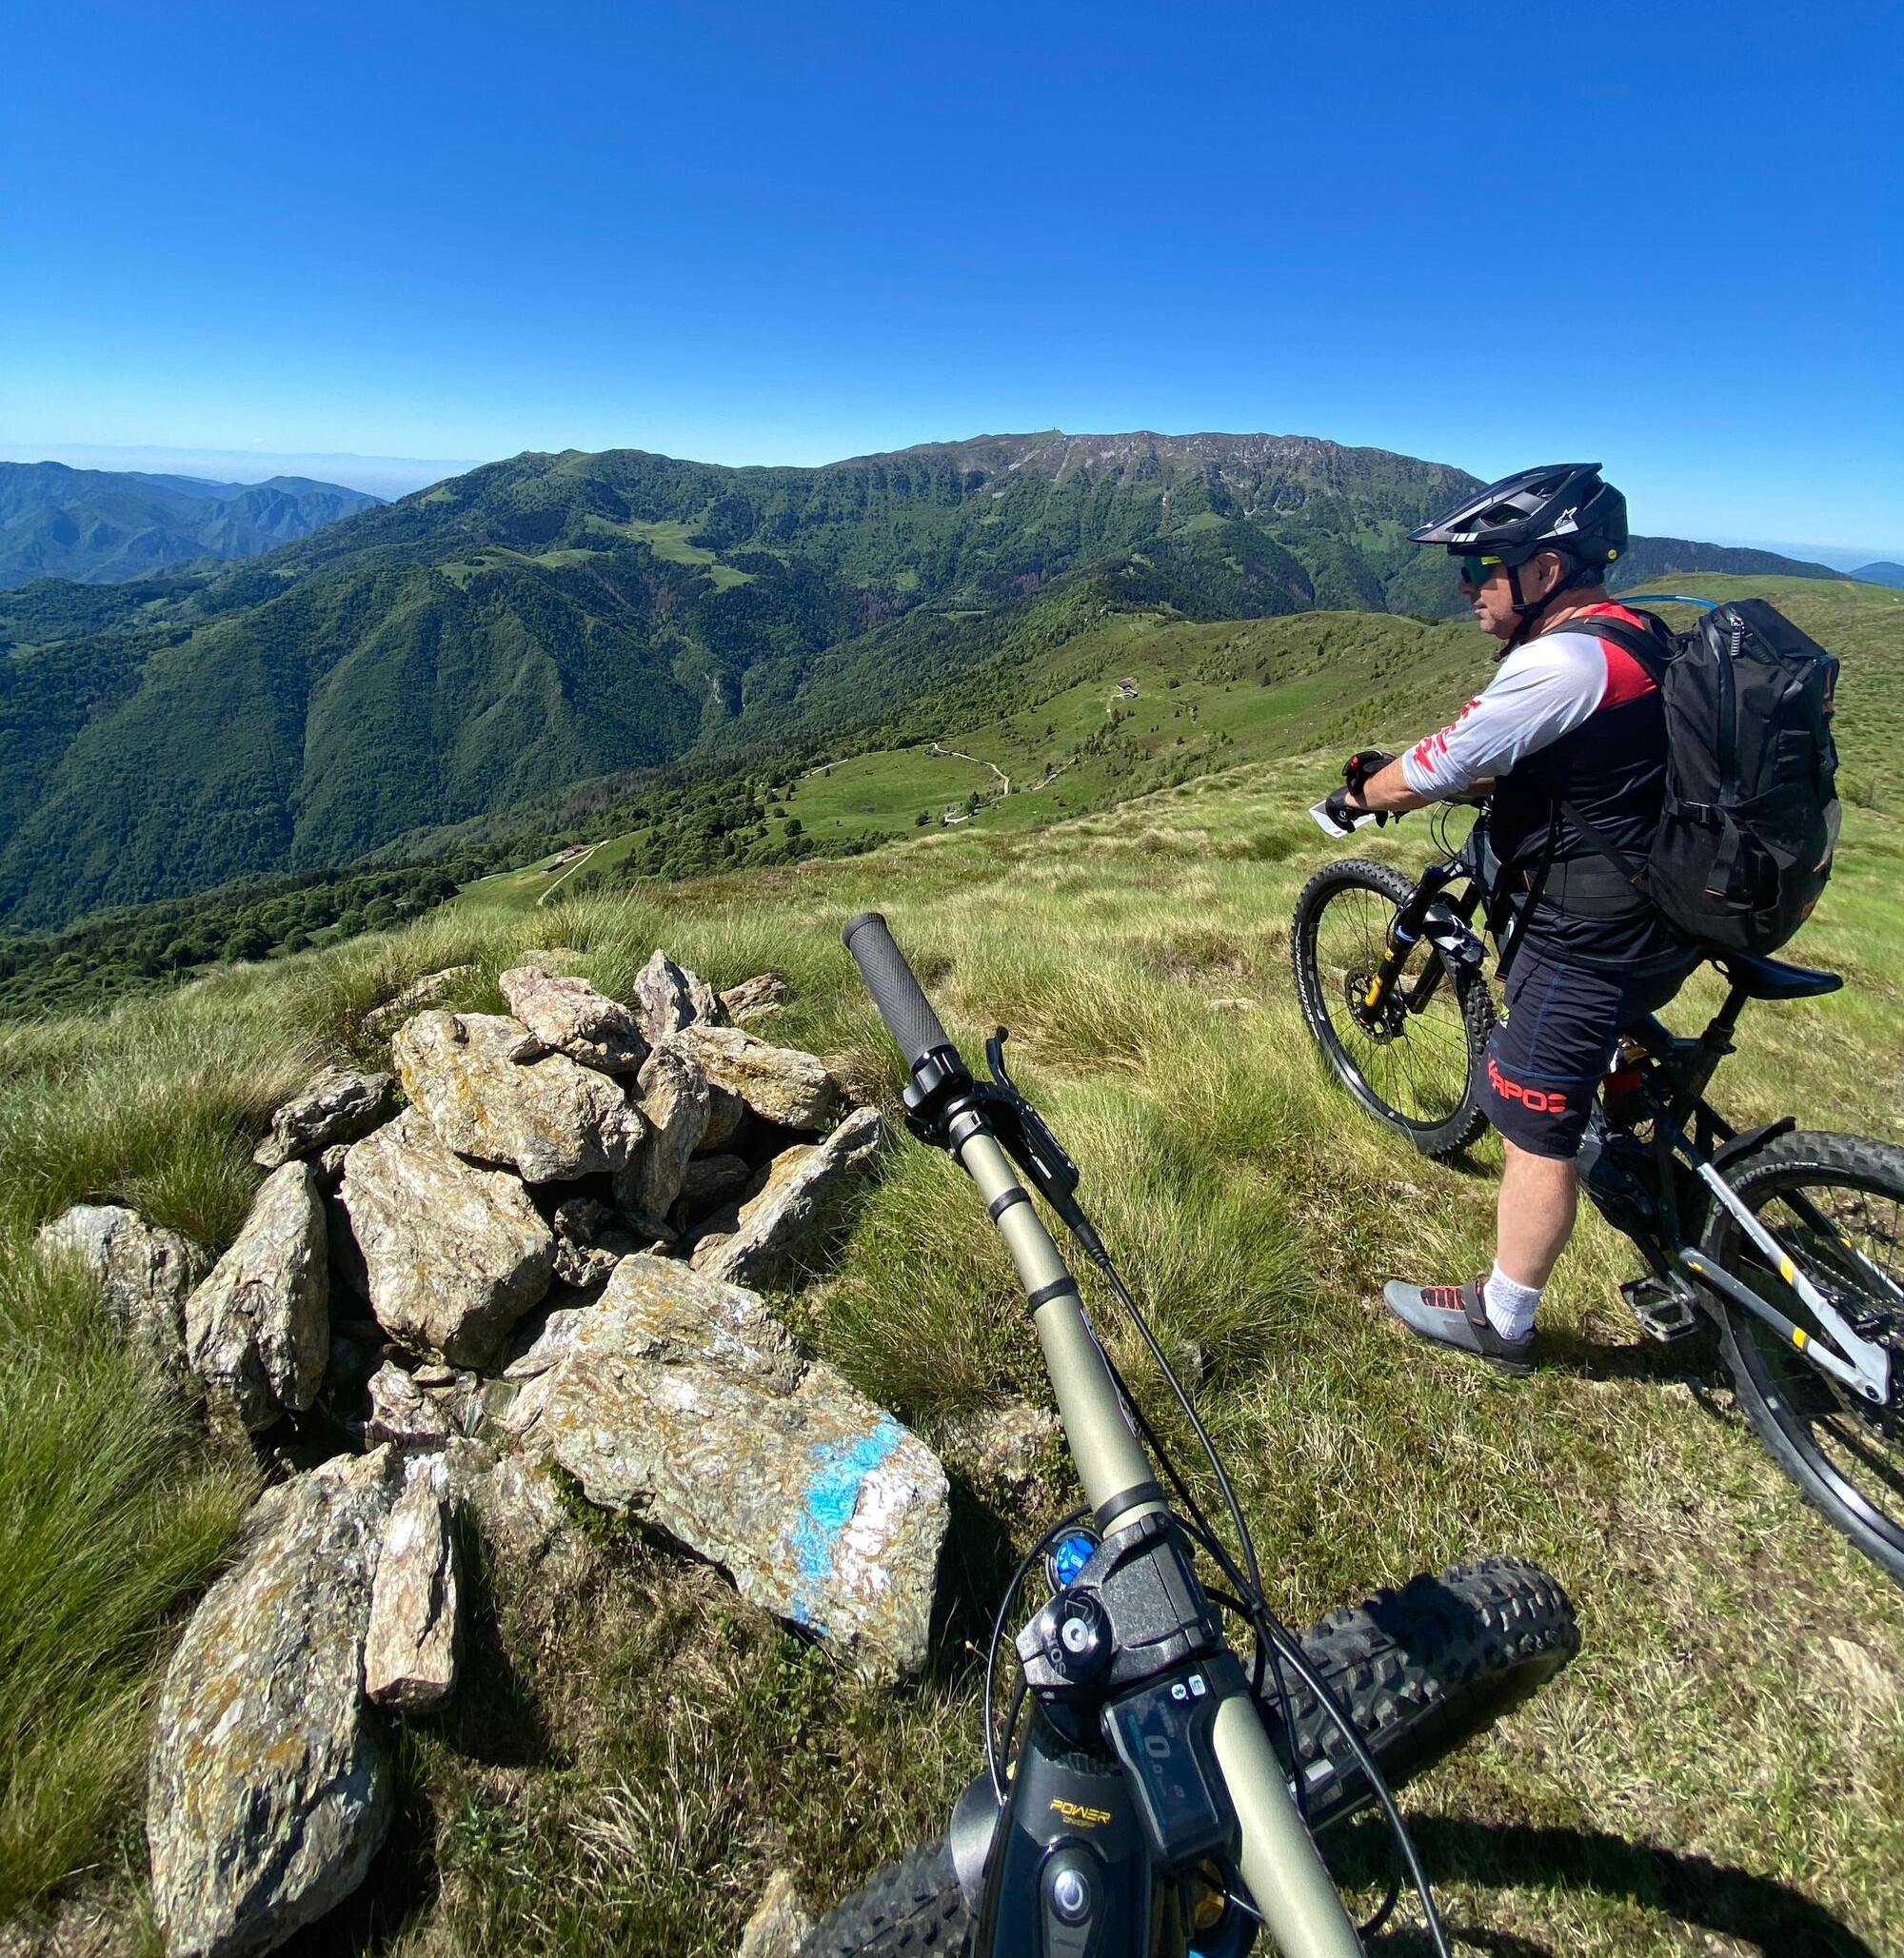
x: 1005, y: 779
x: 568, y: 873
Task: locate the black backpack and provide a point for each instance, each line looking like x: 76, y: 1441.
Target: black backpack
x: 1745, y: 839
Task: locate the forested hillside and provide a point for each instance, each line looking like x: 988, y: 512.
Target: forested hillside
x: 552, y: 619
x: 101, y: 527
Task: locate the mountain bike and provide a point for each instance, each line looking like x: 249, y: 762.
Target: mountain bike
x: 1789, y: 1244
x: 1152, y: 1789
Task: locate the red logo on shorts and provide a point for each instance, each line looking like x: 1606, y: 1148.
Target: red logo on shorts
x: 1536, y: 1100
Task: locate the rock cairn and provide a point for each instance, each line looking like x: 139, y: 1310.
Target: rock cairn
x: 528, y: 1248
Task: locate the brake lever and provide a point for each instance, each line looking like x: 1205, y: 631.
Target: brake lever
x: 1025, y: 1134
x: 943, y: 1096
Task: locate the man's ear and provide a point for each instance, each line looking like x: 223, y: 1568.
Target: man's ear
x: 1550, y: 569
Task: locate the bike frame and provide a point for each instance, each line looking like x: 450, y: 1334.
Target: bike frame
x: 1677, y: 1073
x: 1212, y: 1753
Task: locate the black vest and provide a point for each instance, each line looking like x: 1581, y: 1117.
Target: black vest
x: 1612, y: 769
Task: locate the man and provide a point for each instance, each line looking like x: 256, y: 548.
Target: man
x: 1571, y: 731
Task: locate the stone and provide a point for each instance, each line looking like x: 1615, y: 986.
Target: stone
x: 998, y: 1447
x: 710, y: 1181
x: 258, y: 1329
x: 410, y: 1645
x: 675, y: 1104
x: 758, y: 1242
x: 144, y: 1273
x: 427, y: 991
x: 269, y: 1790
x: 402, y: 1414
x: 755, y: 998
x: 330, y: 1166
x: 453, y: 1254
x: 590, y: 1239
x: 668, y: 998
x: 518, y: 1509
x: 356, y: 1354
x: 779, y: 1084
x: 725, y: 1113
x: 685, y: 1401
x: 484, y: 1085
x: 339, y: 1106
x: 569, y: 1016
x: 780, y: 1922
x: 532, y: 1357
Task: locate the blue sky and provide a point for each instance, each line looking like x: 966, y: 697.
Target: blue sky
x: 1664, y: 237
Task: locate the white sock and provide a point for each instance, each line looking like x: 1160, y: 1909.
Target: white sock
x: 1510, y: 1306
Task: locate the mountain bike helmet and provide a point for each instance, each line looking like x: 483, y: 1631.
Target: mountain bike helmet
x: 1561, y: 506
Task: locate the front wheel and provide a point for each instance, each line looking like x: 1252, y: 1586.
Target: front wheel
x: 1835, y: 1204
x: 1413, y: 1061
x: 1419, y: 1670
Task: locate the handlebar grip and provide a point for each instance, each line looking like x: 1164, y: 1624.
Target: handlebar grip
x: 896, y: 992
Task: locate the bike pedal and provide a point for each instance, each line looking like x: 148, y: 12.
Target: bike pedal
x: 1665, y: 1312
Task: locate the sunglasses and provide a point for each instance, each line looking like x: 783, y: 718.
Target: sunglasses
x: 1476, y: 571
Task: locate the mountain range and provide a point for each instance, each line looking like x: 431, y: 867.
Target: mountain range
x: 102, y: 526
x: 554, y: 617
x: 1883, y: 572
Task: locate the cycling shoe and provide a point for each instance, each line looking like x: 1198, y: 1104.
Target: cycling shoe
x: 1456, y: 1316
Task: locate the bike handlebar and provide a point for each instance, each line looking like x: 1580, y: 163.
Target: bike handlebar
x: 902, y: 1002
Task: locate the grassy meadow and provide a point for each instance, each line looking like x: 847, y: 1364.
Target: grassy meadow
x: 1720, y: 1771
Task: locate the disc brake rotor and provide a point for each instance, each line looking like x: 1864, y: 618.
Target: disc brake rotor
x: 1382, y: 1022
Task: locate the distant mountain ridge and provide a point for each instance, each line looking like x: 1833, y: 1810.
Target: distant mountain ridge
x: 102, y: 526
x: 1883, y: 572
x: 550, y: 619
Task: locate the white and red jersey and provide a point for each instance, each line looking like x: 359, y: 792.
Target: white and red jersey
x: 1543, y: 690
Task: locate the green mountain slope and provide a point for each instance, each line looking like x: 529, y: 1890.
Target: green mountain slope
x: 552, y: 619
x: 1065, y: 723
x: 101, y: 527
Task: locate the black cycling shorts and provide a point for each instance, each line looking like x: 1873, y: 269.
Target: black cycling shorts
x: 1546, y: 1059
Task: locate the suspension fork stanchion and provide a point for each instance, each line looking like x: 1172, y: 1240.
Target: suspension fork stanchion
x: 1405, y: 931
x: 1288, y: 1883
x: 1120, y: 1483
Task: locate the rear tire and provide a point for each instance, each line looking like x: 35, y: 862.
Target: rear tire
x: 1420, y: 1670
x: 1415, y: 1072
x: 1846, y: 1457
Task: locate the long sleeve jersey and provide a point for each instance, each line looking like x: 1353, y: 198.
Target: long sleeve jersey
x: 1569, y: 720
x: 1544, y: 689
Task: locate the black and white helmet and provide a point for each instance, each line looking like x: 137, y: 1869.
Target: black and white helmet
x: 1563, y: 508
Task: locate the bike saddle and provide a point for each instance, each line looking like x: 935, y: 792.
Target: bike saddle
x: 1767, y: 979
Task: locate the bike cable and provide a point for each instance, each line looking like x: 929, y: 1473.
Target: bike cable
x: 1285, y: 1642
x: 1030, y: 1558
x: 1265, y: 1657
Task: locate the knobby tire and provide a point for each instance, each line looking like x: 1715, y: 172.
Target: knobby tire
x: 1420, y: 1669
x: 1426, y: 1072
x: 1846, y: 1458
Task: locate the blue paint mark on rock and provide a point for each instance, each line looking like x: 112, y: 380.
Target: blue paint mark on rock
x: 828, y: 1501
